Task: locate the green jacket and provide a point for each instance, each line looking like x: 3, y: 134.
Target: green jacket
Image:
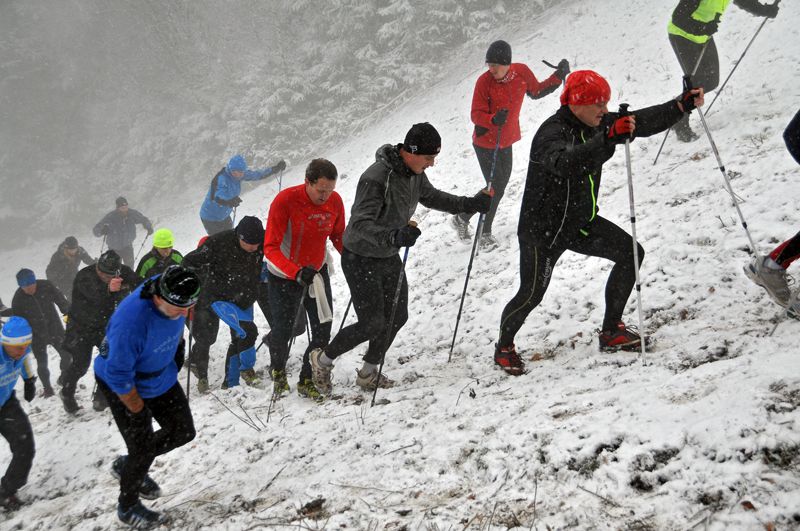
x: 691, y: 16
x: 153, y: 263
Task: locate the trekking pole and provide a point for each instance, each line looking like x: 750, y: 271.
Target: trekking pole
x: 297, y: 315
x: 478, y: 231
x: 346, y: 311
x: 735, y: 66
x: 623, y: 111
x: 234, y: 217
x: 725, y: 176
x: 280, y: 180
x: 694, y: 71
x: 140, y: 249
x: 103, y: 244
x: 189, y: 358
x: 397, y: 292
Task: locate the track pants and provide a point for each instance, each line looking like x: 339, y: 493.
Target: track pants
x: 502, y: 174
x: 16, y: 429
x: 787, y: 252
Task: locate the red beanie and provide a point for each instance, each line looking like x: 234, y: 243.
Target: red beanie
x: 585, y: 87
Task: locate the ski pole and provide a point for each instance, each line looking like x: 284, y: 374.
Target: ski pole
x: 103, y: 244
x: 189, y: 357
x: 296, y: 320
x: 346, y: 311
x: 694, y: 71
x: 140, y: 249
x: 735, y: 66
x: 234, y: 217
x: 727, y: 180
x: 280, y: 180
x: 623, y: 111
x: 472, y: 254
x: 389, y: 326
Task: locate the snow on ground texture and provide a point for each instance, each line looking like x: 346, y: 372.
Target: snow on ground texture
x: 704, y: 433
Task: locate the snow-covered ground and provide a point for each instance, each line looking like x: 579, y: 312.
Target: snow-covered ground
x: 702, y: 435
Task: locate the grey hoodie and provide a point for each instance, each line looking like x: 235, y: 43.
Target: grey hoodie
x: 386, y: 198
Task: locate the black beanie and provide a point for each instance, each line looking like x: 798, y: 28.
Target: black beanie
x: 423, y: 139
x: 250, y: 230
x: 121, y: 201
x: 499, y: 53
x: 109, y: 263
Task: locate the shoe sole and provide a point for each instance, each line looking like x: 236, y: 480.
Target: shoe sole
x: 513, y: 371
x: 750, y: 273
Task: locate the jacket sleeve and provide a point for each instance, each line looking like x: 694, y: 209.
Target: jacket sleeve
x: 557, y: 155
x: 339, y: 226
x: 18, y: 306
x: 658, y: 118
x: 27, y: 367
x: 51, y: 272
x: 481, y: 114
x: 85, y: 257
x: 754, y: 7
x: 129, y: 278
x: 682, y: 17
x: 277, y: 224
x: 438, y: 200
x: 57, y: 297
x: 257, y: 175
x: 536, y: 90
x: 367, y: 209
x: 792, y: 137
x: 141, y: 219
x: 123, y: 349
x: 97, y: 230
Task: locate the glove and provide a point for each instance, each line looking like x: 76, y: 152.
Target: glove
x: 280, y: 166
x: 104, y: 230
x: 562, y: 71
x: 621, y: 130
x: 768, y: 10
x: 235, y: 201
x: 65, y: 318
x: 30, y: 389
x: 149, y: 231
x: 500, y: 117
x: 481, y: 202
x: 180, y: 354
x: 305, y: 276
x: 711, y: 27
x: 405, y: 237
x: 687, y: 101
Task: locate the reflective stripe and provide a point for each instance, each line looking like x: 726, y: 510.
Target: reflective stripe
x: 591, y: 189
x: 705, y: 12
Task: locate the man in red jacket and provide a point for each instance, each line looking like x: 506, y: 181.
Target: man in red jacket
x: 496, y: 103
x: 301, y: 219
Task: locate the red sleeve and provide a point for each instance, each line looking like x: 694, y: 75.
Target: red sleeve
x: 481, y: 114
x: 338, y: 227
x: 277, y: 224
x: 533, y: 85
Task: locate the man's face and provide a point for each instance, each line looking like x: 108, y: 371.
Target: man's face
x: 164, y: 251
x: 70, y: 252
x: 417, y: 163
x: 15, y: 352
x: 123, y: 209
x: 248, y: 247
x: 238, y: 175
x: 592, y: 114
x: 169, y: 310
x: 30, y: 289
x: 105, y: 277
x: 498, y: 71
x: 320, y: 191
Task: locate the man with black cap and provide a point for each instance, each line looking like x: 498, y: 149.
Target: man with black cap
x: 36, y: 301
x: 496, y: 103
x: 386, y: 197
x: 137, y: 372
x: 64, y: 265
x: 118, y: 227
x: 229, y: 265
x: 96, y: 292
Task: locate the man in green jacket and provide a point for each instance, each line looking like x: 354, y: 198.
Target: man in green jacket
x: 161, y: 256
x: 691, y: 29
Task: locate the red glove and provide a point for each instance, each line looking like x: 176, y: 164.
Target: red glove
x: 622, y: 129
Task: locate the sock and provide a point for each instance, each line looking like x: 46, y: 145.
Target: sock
x: 325, y: 361
x: 769, y: 263
x: 369, y: 368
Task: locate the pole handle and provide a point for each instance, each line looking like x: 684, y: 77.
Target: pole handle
x: 624, y: 109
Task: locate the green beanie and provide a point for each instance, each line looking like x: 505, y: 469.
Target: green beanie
x: 163, y: 238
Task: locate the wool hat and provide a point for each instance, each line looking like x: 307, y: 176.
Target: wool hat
x: 71, y: 242
x: 237, y: 163
x: 16, y: 332
x: 109, y: 263
x: 121, y: 201
x: 163, y: 238
x: 585, y: 87
x: 499, y: 53
x: 250, y: 230
x: 423, y: 139
x: 179, y: 286
x: 25, y: 277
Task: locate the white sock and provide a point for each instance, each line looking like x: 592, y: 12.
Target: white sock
x: 769, y: 263
x: 325, y: 361
x: 369, y: 367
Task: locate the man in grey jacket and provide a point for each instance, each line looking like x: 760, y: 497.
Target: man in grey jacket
x: 119, y: 229
x: 386, y: 198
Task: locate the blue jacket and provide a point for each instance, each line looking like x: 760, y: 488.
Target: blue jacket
x: 226, y: 187
x: 141, y: 345
x: 121, y: 229
x: 10, y: 370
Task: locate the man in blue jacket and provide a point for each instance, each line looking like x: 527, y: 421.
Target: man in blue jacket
x: 223, y: 194
x: 119, y: 229
x: 137, y: 372
x: 15, y: 345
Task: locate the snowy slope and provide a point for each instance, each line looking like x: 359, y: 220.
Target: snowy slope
x: 584, y: 440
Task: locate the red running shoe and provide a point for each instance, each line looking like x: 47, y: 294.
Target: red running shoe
x: 621, y: 338
x: 508, y: 360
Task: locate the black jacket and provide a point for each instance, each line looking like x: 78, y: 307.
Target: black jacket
x: 386, y: 198
x: 62, y: 269
x: 40, y: 310
x: 565, y: 169
x: 122, y: 229
x: 92, y: 303
x: 227, y: 272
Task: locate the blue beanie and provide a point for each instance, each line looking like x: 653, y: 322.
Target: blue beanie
x: 16, y: 331
x: 237, y: 163
x: 25, y: 277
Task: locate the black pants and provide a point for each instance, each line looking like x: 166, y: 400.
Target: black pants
x: 213, y: 227
x: 16, y: 429
x: 502, y: 174
x: 39, y: 349
x: 605, y: 240
x: 78, y: 344
x: 707, y: 75
x: 126, y: 253
x: 284, y: 300
x: 787, y: 252
x: 372, y: 282
x: 205, y: 328
x: 171, y: 411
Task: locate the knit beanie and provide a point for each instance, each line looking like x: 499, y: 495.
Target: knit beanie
x: 16, y: 331
x: 163, y: 238
x: 25, y: 277
x: 499, y: 53
x: 250, y: 230
x: 585, y: 87
x: 237, y: 163
x: 423, y: 139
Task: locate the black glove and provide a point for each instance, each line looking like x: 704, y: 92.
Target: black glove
x: 480, y: 202
x: 30, y: 389
x: 405, y: 237
x: 180, y: 354
x: 306, y: 276
x: 768, y: 10
x: 149, y: 231
x: 500, y: 117
x: 562, y: 71
x: 233, y: 202
x: 104, y: 230
x: 687, y: 101
x: 711, y: 27
x: 280, y: 166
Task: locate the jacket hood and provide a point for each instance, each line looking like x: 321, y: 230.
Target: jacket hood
x: 389, y: 156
